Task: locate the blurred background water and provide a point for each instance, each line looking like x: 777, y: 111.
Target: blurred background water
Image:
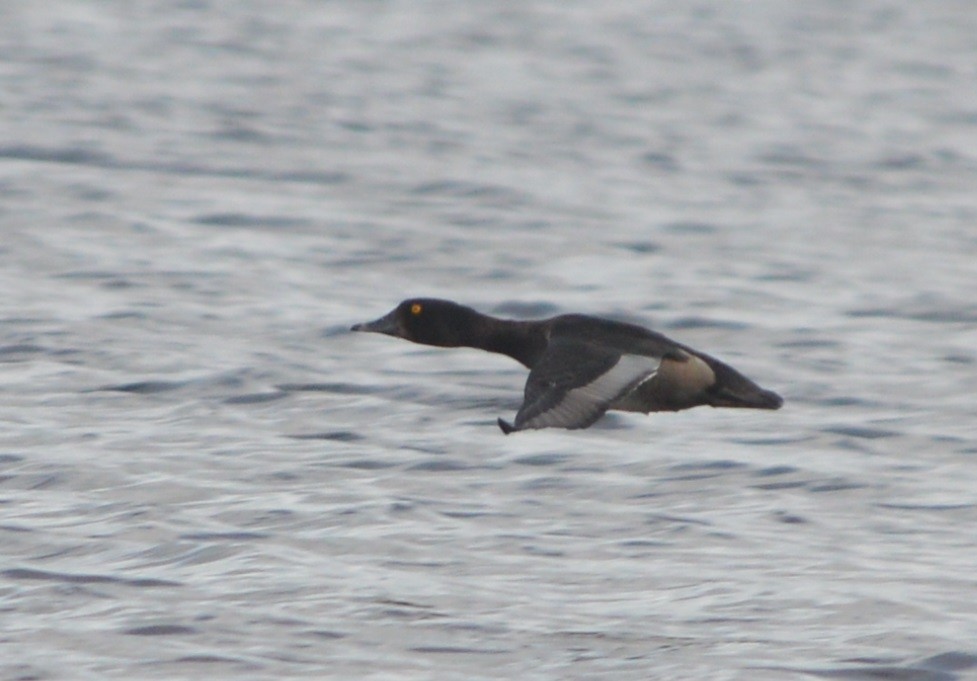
x: 203, y: 473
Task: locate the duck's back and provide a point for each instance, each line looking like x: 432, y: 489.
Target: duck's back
x: 610, y: 335
x: 685, y: 377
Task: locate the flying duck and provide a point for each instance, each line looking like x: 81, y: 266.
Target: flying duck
x: 580, y: 366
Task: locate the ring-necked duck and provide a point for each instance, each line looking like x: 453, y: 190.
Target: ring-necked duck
x: 580, y: 366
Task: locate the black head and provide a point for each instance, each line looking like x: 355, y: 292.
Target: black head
x: 429, y: 321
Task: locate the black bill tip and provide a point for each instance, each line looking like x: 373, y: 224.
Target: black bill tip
x: 387, y: 324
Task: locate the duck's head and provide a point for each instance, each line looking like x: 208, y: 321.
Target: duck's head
x: 429, y: 321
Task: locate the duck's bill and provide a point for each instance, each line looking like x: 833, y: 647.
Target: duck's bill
x: 387, y: 324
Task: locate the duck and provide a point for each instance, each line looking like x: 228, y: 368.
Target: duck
x: 580, y: 366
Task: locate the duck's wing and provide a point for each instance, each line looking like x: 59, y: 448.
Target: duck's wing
x: 574, y: 383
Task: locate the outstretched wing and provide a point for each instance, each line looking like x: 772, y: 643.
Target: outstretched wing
x: 574, y: 383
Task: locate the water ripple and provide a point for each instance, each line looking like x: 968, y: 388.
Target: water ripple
x: 75, y: 578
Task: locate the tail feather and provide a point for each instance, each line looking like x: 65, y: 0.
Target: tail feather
x: 758, y: 399
x: 733, y: 389
x: 695, y: 381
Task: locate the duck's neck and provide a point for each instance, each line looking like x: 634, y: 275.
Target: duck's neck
x: 524, y: 342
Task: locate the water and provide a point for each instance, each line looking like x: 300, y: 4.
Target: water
x: 202, y: 473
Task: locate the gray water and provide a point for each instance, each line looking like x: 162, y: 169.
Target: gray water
x: 204, y: 474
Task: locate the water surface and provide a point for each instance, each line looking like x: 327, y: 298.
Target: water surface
x: 202, y: 472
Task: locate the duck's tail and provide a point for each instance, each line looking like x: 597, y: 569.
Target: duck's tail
x: 733, y: 389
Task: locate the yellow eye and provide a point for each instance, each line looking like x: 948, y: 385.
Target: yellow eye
x: 416, y: 308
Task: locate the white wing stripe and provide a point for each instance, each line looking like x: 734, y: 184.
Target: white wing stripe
x: 581, y: 404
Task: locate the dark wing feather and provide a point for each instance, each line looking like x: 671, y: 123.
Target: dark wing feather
x: 574, y: 383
